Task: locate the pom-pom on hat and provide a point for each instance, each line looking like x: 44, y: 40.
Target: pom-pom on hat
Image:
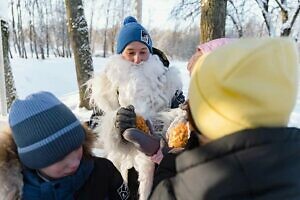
x: 248, y: 83
x: 44, y: 129
x: 130, y: 32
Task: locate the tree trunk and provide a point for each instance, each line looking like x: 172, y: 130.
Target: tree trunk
x: 10, y: 90
x: 41, y: 26
x: 15, y: 39
x: 213, y: 17
x: 286, y: 30
x: 20, y: 30
x: 47, y: 32
x: 78, y: 31
x: 105, y: 30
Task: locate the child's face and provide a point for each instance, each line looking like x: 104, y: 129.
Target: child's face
x: 193, y: 60
x: 136, y: 52
x: 67, y: 166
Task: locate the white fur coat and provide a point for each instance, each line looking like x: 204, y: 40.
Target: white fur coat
x: 149, y: 87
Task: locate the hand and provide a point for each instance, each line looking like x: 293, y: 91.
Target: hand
x: 148, y: 144
x: 125, y: 118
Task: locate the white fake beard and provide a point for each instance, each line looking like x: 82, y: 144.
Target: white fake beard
x: 142, y: 85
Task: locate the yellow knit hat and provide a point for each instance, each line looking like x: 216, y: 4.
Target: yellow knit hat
x: 246, y: 84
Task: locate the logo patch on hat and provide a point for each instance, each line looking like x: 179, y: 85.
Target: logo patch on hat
x: 144, y: 37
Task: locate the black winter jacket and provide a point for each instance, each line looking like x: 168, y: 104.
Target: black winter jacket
x: 258, y: 164
x: 105, y: 182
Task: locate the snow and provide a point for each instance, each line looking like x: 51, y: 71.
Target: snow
x: 4, y: 9
x: 58, y: 75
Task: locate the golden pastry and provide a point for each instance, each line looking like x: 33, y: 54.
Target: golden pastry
x: 178, y: 135
x: 141, y: 124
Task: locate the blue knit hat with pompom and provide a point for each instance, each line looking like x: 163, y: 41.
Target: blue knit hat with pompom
x: 130, y: 32
x: 44, y: 129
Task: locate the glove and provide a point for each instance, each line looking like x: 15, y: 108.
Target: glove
x: 125, y: 118
x: 177, y: 99
x: 147, y: 144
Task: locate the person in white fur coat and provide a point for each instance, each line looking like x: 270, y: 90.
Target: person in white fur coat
x: 135, y: 81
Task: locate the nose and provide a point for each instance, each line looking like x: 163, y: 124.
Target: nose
x: 137, y: 59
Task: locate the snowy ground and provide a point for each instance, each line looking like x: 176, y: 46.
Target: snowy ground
x: 58, y: 76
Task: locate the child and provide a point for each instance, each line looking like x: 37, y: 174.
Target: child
x: 53, y: 158
x: 241, y: 96
x: 137, y: 77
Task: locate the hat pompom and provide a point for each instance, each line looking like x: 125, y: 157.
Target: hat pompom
x: 129, y: 19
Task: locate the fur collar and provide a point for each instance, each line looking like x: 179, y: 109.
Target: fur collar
x: 11, y: 178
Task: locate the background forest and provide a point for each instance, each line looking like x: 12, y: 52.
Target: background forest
x: 83, y: 29
x: 38, y: 27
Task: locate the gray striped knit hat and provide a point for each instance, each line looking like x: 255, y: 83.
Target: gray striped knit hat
x: 44, y: 129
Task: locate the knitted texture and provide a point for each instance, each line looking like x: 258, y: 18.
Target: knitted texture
x: 130, y: 32
x: 248, y: 83
x: 44, y: 129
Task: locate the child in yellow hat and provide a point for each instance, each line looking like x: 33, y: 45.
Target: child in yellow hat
x: 241, y: 96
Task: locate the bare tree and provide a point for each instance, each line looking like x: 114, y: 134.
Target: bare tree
x: 91, y: 25
x: 14, y: 29
x: 20, y: 30
x: 41, y: 36
x: 78, y: 31
x: 264, y: 7
x: 47, y: 28
x: 10, y: 90
x: 139, y: 9
x: 236, y: 16
x: 106, y: 28
x: 212, y: 20
x: 288, y: 17
x: 285, y: 15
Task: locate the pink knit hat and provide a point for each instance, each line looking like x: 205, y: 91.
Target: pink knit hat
x: 213, y: 44
x: 207, y: 48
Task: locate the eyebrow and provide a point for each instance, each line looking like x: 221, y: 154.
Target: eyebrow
x: 131, y: 49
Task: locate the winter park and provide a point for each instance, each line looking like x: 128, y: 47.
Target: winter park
x: 141, y: 99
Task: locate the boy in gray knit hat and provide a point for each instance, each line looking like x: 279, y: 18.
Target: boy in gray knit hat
x: 54, y: 155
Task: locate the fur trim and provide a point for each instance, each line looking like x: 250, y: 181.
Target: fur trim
x: 100, y: 91
x: 11, y: 177
x: 89, y: 142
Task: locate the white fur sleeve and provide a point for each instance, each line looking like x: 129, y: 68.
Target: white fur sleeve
x: 109, y: 135
x: 103, y: 94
